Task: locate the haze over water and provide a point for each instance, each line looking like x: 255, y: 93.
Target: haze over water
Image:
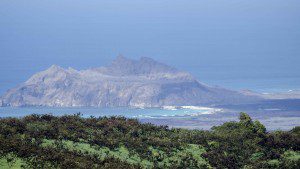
x: 236, y: 44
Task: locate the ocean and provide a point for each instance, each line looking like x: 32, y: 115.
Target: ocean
x: 189, y: 117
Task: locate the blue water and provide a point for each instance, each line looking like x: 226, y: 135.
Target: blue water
x: 86, y: 112
x: 183, y: 118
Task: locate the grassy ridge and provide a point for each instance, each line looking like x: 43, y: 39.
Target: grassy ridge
x: 45, y: 141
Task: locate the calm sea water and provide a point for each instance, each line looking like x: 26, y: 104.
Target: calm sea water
x: 192, y: 118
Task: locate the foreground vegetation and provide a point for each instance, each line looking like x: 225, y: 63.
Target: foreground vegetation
x: 46, y: 141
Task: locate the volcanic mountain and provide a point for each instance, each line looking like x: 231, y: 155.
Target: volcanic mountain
x: 125, y: 82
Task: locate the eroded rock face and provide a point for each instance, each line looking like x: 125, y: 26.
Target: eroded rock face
x: 126, y: 82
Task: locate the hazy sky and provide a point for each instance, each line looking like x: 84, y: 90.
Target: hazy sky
x: 213, y: 39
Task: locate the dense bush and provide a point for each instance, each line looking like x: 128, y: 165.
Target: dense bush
x: 46, y: 141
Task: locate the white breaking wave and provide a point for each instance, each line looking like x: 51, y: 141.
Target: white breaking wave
x: 203, y: 110
x: 189, y: 111
x: 196, y: 108
x: 142, y: 116
x: 170, y: 108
